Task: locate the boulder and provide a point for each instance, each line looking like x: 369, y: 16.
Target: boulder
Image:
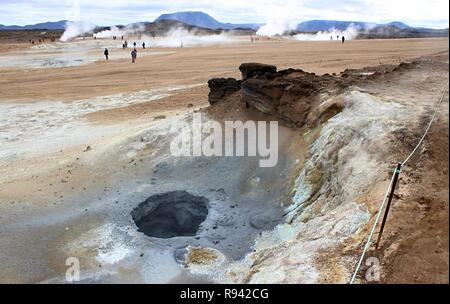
x: 220, y: 88
x: 249, y: 70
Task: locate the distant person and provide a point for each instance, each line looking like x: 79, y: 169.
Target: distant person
x: 181, y: 45
x: 343, y: 39
x: 337, y: 37
x: 143, y: 45
x: 133, y: 55
x: 122, y: 38
x: 106, y: 54
x: 134, y: 44
x: 331, y: 37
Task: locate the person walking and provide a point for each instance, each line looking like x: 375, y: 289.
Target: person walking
x: 133, y: 55
x: 143, y: 45
x: 343, y: 39
x: 106, y: 53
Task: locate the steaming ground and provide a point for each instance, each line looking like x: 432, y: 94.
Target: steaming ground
x: 82, y: 146
x: 64, y: 54
x: 88, y: 50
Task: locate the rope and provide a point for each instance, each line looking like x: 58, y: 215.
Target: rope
x: 373, y: 230
x: 429, y: 125
x: 366, y: 246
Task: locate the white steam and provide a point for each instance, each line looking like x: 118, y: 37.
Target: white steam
x: 181, y: 37
x: 129, y: 30
x: 75, y: 29
x: 277, y: 25
x: 350, y: 33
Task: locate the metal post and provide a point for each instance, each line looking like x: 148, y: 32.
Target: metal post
x: 391, y: 195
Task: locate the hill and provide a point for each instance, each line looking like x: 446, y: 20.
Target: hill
x: 204, y: 20
x: 59, y: 25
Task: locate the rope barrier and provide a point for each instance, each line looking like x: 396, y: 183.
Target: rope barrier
x: 372, y: 230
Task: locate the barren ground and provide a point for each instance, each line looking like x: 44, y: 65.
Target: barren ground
x: 198, y: 64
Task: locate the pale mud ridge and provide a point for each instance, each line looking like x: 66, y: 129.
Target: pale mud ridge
x: 322, y: 212
x: 343, y: 162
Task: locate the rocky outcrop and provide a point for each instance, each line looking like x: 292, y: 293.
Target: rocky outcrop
x: 220, y: 88
x: 288, y: 94
x: 249, y: 70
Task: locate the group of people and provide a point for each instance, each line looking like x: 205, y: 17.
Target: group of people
x: 124, y: 46
x: 41, y: 40
x: 343, y: 38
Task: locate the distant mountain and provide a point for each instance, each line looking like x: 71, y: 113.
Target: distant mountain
x: 204, y: 20
x: 59, y: 25
x: 398, y: 24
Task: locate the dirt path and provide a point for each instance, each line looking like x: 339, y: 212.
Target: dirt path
x: 414, y: 246
x: 418, y: 224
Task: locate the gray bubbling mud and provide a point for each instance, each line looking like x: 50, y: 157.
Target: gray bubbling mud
x: 171, y: 214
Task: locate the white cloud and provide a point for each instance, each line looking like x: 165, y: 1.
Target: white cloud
x: 433, y: 13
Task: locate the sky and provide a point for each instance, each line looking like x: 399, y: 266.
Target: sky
x: 426, y: 13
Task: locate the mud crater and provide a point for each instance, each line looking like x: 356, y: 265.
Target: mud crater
x: 171, y: 214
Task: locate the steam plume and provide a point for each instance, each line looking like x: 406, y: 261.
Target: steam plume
x: 350, y: 33
x: 75, y: 29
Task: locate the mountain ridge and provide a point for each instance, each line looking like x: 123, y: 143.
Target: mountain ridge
x: 204, y: 20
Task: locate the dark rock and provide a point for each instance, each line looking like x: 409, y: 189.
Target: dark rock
x: 220, y: 88
x: 249, y: 70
